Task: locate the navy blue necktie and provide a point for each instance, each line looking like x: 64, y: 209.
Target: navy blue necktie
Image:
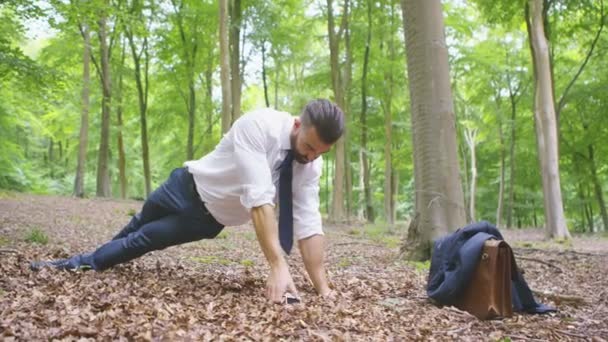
x: 285, y: 203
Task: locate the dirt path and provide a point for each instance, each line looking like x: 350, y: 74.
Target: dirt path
x: 214, y: 289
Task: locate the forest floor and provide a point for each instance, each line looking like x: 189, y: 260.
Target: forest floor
x: 213, y: 289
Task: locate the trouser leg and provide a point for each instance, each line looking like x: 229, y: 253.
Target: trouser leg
x: 170, y: 198
x: 156, y: 235
x: 173, y: 214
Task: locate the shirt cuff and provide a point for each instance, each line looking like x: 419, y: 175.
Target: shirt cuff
x: 254, y: 196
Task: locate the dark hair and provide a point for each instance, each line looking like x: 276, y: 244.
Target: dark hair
x: 326, y: 117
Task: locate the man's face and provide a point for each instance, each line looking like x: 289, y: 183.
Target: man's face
x: 306, y: 144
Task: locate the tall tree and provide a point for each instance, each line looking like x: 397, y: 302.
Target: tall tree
x: 104, y: 188
x: 236, y: 13
x: 439, y: 197
x: 338, y: 211
x: 136, y: 32
x: 369, y: 207
x: 84, y: 117
x: 225, y: 66
x: 545, y: 123
x: 122, y: 160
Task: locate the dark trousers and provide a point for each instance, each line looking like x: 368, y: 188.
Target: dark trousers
x: 173, y: 214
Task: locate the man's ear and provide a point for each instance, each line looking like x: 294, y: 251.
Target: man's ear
x: 297, y: 123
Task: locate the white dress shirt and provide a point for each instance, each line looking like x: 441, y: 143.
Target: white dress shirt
x: 241, y: 173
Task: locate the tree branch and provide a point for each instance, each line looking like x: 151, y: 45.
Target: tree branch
x: 562, y: 100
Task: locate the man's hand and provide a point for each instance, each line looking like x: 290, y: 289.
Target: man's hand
x: 279, y: 282
x: 266, y: 228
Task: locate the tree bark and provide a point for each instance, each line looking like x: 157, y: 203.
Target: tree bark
x: 513, y: 100
x: 338, y: 211
x: 104, y: 188
x: 121, y: 150
x: 235, y: 57
x: 546, y: 127
x: 225, y: 67
x: 84, y: 116
x: 501, y: 182
x: 439, y: 196
x: 142, y: 84
x: 369, y: 208
x: 597, y: 186
x: 471, y: 139
x: 264, y: 82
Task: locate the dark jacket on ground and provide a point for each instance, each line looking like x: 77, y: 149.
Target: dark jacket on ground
x: 453, y: 262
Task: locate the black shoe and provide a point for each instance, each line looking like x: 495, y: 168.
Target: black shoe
x: 72, y: 264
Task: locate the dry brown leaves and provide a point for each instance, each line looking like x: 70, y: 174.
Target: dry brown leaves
x: 213, y: 290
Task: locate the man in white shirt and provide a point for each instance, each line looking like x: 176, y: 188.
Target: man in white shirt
x: 251, y: 167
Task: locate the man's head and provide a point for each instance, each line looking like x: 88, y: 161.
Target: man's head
x: 319, y: 126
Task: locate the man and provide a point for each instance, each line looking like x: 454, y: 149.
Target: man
x: 240, y: 180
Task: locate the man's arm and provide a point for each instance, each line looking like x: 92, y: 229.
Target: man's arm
x: 312, y: 250
x: 267, y: 231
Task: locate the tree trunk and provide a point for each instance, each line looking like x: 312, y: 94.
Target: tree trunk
x: 277, y: 67
x: 512, y: 159
x: 346, y: 82
x: 439, y: 197
x: 235, y: 57
x: 471, y: 139
x: 597, y: 186
x: 369, y: 208
x: 191, y: 116
x: 84, y: 117
x: 142, y: 95
x: 209, y: 101
x: 104, y: 188
x: 337, y: 212
x: 225, y: 67
x: 121, y: 150
x: 501, y: 182
x: 546, y: 127
x: 264, y: 82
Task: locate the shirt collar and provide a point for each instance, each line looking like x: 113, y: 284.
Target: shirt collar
x: 284, y: 139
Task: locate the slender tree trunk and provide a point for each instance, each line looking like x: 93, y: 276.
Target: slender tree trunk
x: 471, y: 139
x: 369, y: 208
x: 277, y: 67
x: 546, y: 127
x: 209, y: 101
x: 597, y: 186
x: 141, y: 81
x: 389, y: 195
x: 501, y: 182
x: 191, y: 116
x: 338, y: 211
x: 388, y: 167
x: 225, y: 67
x: 512, y: 160
x: 121, y: 150
x: 266, y: 100
x: 235, y: 57
x: 346, y: 83
x: 439, y: 197
x: 84, y: 117
x: 104, y: 188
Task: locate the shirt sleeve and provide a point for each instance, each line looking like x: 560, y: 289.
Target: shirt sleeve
x: 306, y: 214
x: 250, y: 156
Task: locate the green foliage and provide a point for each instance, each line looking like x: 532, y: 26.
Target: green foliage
x: 212, y: 260
x: 247, y: 263
x: 3, y: 241
x: 381, y: 234
x: 38, y: 236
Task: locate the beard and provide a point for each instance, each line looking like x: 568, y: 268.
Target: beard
x: 299, y: 157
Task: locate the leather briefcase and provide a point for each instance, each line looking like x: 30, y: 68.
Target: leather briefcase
x: 488, y: 294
